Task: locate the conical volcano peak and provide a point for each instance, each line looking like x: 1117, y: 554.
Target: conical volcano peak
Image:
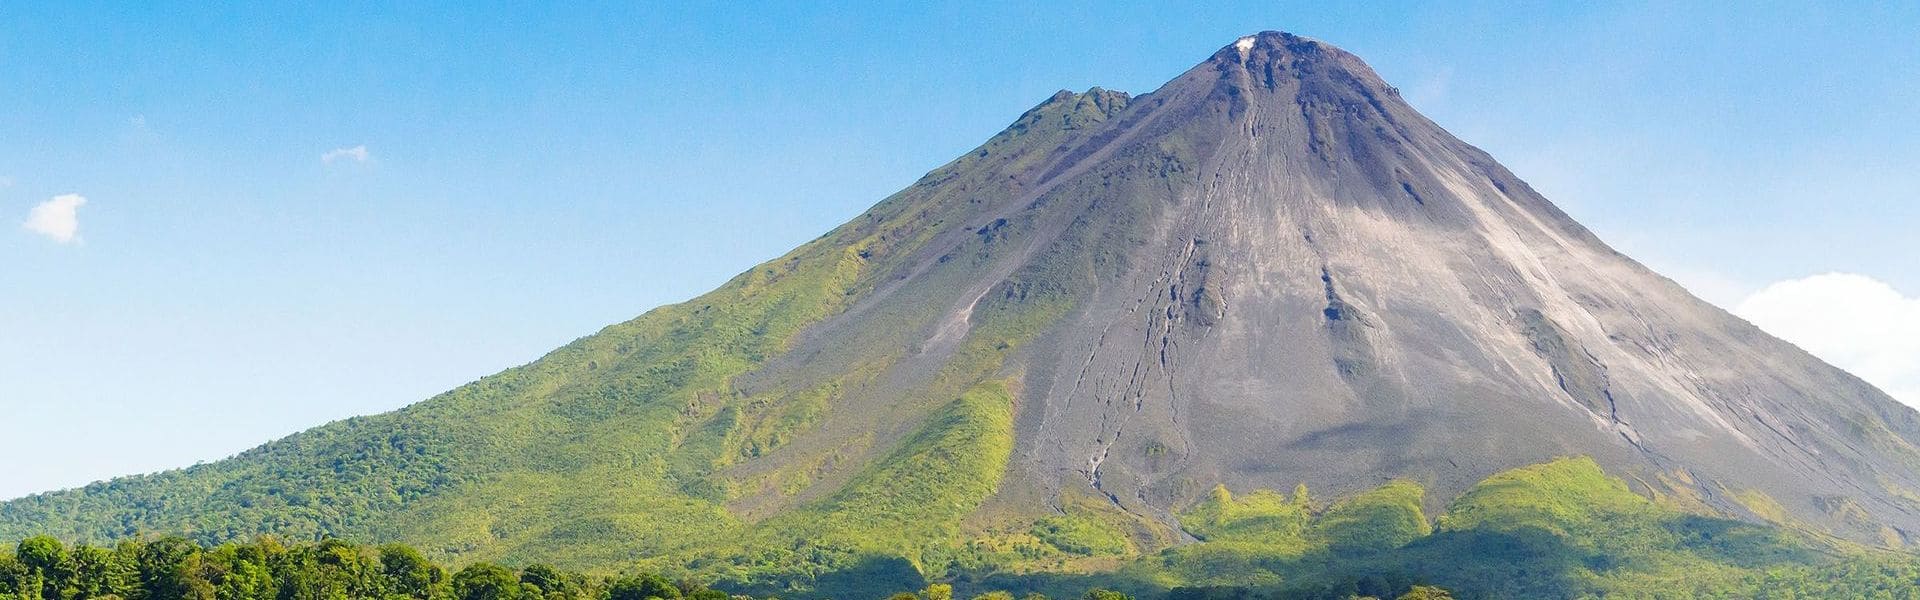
x: 1271, y: 39
x: 1310, y: 116
x: 1277, y: 52
x: 1279, y: 70
x: 1269, y: 272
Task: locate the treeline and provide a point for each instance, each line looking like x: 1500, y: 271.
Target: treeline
x: 173, y: 568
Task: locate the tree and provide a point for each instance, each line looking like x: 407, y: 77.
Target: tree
x: 99, y: 572
x: 484, y: 581
x: 240, y: 572
x: 45, y: 561
x: 551, y: 581
x: 408, y: 573
x: 170, y: 568
x: 937, y: 591
x: 642, y: 587
x: 41, y: 553
x: 1105, y: 594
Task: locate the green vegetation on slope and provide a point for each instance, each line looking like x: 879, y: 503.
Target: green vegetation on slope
x: 1562, y: 529
x: 573, y: 443
x: 904, y: 507
x: 932, y: 481
x: 1384, y: 518
x: 1263, y: 516
x: 1568, y: 497
x: 1082, y: 533
x: 614, y: 448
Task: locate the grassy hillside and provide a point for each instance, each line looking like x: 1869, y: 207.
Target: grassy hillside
x: 1563, y: 529
x: 631, y: 443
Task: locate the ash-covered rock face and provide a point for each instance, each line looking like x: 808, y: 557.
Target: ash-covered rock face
x: 1279, y: 272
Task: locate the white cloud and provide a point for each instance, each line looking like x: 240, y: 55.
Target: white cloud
x: 1855, y: 322
x: 355, y: 154
x: 55, y: 218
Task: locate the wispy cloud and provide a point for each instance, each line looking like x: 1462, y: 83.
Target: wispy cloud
x: 5, y: 182
x: 355, y: 154
x: 1854, y: 321
x: 57, y: 218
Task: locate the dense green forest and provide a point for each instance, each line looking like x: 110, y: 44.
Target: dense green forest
x: 1562, y: 529
x: 168, y: 568
x: 41, y: 568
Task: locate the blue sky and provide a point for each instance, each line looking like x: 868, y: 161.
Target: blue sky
x: 220, y: 225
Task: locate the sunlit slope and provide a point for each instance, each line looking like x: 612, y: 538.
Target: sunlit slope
x: 617, y: 446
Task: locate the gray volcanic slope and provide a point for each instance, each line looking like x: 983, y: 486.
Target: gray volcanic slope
x: 1332, y: 289
x: 1269, y: 271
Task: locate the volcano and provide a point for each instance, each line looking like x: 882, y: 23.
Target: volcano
x: 1270, y: 272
